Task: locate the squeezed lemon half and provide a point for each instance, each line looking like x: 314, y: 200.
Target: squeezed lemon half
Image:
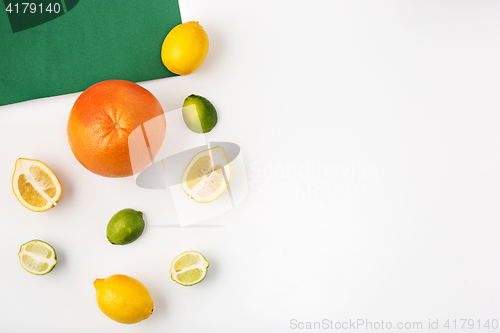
x: 35, y: 185
x: 207, y: 175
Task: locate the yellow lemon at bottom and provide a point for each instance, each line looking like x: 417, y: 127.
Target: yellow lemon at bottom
x: 185, y: 48
x: 123, y: 299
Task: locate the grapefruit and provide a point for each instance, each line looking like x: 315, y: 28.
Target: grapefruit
x: 102, y: 120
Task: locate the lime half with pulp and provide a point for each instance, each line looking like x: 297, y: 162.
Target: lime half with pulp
x: 37, y: 257
x: 189, y: 268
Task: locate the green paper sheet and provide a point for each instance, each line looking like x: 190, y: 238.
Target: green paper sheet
x: 50, y: 48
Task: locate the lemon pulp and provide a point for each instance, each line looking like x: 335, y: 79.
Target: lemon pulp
x: 207, y: 175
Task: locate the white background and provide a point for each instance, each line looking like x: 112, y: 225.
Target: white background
x: 370, y: 136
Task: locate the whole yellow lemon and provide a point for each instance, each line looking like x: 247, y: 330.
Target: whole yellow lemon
x: 185, y: 48
x: 123, y: 299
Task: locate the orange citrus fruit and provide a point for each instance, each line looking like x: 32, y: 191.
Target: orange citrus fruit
x: 35, y: 185
x: 102, y: 120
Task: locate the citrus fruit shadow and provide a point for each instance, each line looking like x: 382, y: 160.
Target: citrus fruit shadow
x: 212, y: 270
x: 160, y: 309
x: 214, y: 55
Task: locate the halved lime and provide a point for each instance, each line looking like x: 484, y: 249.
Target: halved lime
x: 37, y: 257
x: 189, y: 268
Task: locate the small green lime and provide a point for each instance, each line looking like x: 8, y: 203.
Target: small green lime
x: 125, y: 226
x: 199, y: 114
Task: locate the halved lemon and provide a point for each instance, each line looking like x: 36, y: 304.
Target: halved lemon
x: 189, y: 268
x: 37, y: 257
x: 35, y: 185
x: 207, y: 175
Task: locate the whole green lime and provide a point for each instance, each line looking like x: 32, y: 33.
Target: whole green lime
x: 125, y: 226
x: 199, y: 114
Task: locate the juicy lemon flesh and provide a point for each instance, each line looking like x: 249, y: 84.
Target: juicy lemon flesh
x: 201, y: 168
x: 35, y: 185
x: 214, y: 183
x: 37, y: 257
x: 203, y: 180
x: 43, y: 180
x: 29, y: 193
